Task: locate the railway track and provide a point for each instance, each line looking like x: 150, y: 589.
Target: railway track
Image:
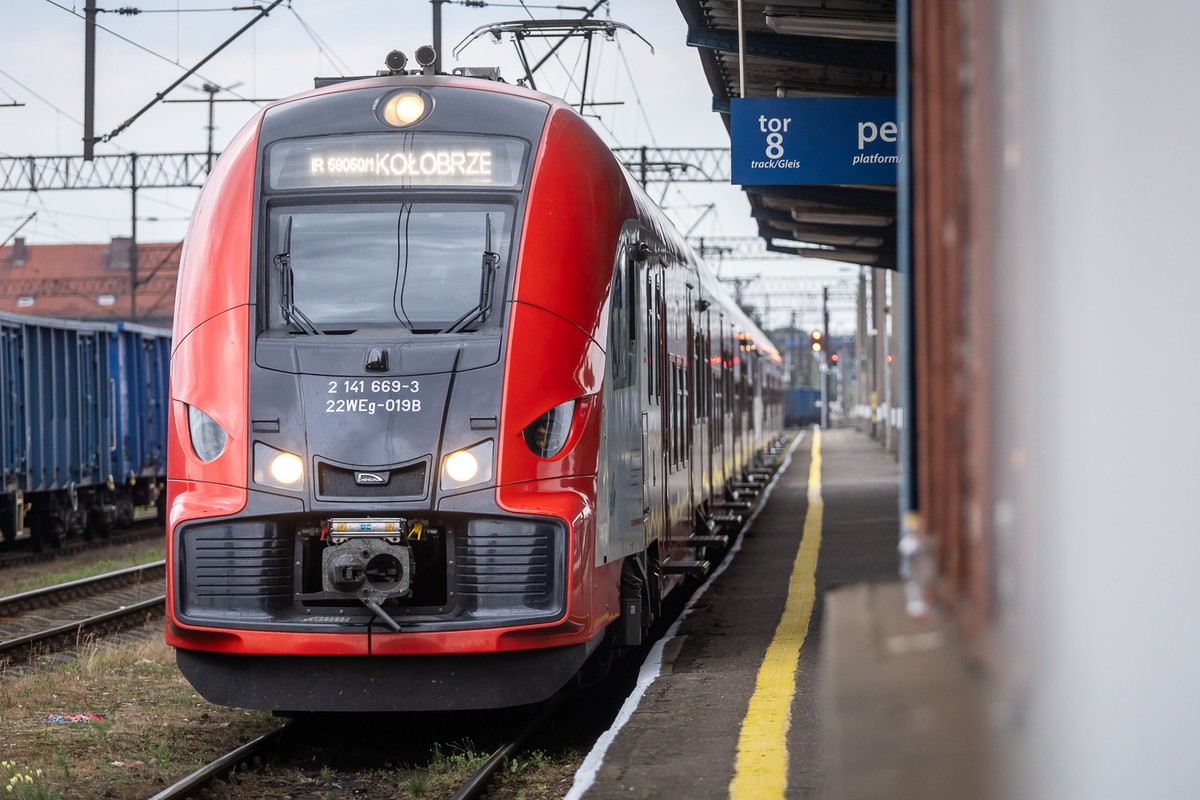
x: 323, y: 755
x: 298, y: 735
x: 59, y: 617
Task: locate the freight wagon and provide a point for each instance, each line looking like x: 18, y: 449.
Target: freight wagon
x: 82, y: 425
x: 802, y: 406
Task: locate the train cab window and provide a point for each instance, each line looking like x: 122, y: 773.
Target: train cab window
x: 429, y: 267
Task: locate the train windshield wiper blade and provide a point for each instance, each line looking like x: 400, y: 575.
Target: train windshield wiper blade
x: 487, y: 282
x: 287, y: 288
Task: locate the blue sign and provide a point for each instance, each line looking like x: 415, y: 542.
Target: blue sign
x: 815, y: 140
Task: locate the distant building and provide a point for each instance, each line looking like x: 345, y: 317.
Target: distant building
x: 90, y: 281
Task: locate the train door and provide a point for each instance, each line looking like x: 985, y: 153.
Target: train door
x: 13, y: 442
x: 708, y: 367
x: 653, y: 415
x: 677, y: 400
x: 621, y: 517
x: 692, y: 391
x: 717, y: 458
x: 91, y: 418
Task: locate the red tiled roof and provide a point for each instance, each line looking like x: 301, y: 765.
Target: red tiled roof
x: 89, y: 281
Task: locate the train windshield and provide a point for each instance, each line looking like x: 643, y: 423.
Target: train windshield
x: 428, y: 267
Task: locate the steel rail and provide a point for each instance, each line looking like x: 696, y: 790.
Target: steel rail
x: 477, y: 785
x: 77, y: 629
x: 49, y: 595
x: 215, y: 770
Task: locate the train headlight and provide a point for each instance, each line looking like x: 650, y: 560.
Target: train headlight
x: 278, y: 468
x: 287, y: 468
x: 468, y: 467
x: 208, y: 438
x: 462, y: 467
x: 403, y: 109
x: 547, y: 434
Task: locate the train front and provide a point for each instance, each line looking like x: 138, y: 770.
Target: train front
x: 345, y: 386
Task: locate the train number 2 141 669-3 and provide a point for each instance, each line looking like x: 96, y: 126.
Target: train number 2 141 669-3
x: 369, y: 405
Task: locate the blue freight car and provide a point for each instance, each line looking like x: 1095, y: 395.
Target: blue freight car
x: 801, y: 406
x: 83, y: 414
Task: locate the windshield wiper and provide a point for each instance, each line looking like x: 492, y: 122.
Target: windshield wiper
x: 287, y: 285
x: 487, y: 282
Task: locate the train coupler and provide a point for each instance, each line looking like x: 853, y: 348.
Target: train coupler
x: 370, y: 569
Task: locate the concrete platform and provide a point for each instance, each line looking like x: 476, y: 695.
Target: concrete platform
x: 682, y: 739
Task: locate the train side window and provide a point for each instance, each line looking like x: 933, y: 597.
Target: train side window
x: 672, y: 426
x: 660, y: 334
x: 651, y: 339
x: 630, y: 267
x: 685, y: 427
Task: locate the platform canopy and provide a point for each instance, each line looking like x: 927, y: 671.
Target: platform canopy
x: 806, y: 48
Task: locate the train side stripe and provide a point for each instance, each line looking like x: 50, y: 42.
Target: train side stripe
x: 762, y: 756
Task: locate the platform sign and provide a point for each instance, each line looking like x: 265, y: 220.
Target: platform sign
x: 815, y: 140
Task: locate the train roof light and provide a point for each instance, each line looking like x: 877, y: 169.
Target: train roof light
x: 396, y: 61
x: 403, y: 109
x: 426, y: 56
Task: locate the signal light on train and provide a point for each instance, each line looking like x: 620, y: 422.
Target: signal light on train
x: 208, y: 438
x: 547, y: 434
x: 403, y: 109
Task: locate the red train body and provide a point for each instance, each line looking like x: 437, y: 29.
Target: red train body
x: 449, y: 397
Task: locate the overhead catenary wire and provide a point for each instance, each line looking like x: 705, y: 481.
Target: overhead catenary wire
x: 188, y: 73
x: 322, y: 46
x: 131, y: 11
x: 637, y: 97
x: 44, y: 100
x: 76, y: 214
x: 138, y: 45
x: 487, y: 4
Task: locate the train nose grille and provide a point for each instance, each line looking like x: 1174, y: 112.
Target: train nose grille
x: 239, y: 569
x: 507, y: 565
x: 334, y: 482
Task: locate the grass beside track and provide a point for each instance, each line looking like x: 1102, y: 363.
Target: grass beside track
x: 16, y: 580
x: 155, y: 728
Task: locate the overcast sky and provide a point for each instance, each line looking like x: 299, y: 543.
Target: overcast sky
x: 665, y: 98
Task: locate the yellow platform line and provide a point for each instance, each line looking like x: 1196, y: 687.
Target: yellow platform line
x: 762, y: 756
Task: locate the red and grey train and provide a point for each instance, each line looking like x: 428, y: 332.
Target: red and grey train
x: 450, y: 401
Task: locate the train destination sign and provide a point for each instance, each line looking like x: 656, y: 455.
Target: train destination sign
x: 396, y: 160
x: 815, y: 140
